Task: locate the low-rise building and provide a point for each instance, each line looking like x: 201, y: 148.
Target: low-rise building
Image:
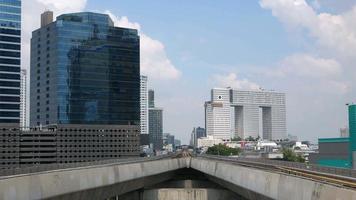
x: 333, y: 152
x: 208, y: 141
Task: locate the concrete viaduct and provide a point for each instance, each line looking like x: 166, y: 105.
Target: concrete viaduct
x: 112, y: 180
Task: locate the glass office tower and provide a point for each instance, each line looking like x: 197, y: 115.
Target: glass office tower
x: 84, y: 71
x: 10, y: 44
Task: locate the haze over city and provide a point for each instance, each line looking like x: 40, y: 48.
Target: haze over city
x: 302, y: 48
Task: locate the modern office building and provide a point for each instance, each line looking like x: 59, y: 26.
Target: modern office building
x: 84, y: 71
x: 177, y: 143
x: 10, y: 53
x: 168, y: 139
x: 23, y: 99
x: 245, y: 113
x: 85, y: 91
x: 156, y: 127
x: 144, y: 105
x: 10, y: 82
x: 151, y: 98
x: 197, y: 133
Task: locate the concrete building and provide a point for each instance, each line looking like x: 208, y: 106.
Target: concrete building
x: 9, y: 146
x: 156, y: 127
x: 177, y: 143
x: 144, y: 105
x: 168, y: 139
x: 208, y: 141
x: 151, y: 98
x: 197, y: 133
x: 23, y: 100
x: 344, y: 132
x: 333, y: 152
x: 246, y: 113
x: 10, y: 50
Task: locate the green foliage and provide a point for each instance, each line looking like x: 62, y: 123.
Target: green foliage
x: 290, y: 155
x: 236, y: 138
x: 223, y: 150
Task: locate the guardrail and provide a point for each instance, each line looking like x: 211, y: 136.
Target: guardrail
x: 62, y: 166
x: 304, y: 166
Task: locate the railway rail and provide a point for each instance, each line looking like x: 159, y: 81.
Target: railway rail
x: 337, y: 180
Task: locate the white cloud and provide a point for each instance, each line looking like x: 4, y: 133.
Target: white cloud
x: 330, y: 31
x: 64, y: 5
x: 154, y: 60
x: 319, y: 80
x: 231, y: 80
x: 305, y: 65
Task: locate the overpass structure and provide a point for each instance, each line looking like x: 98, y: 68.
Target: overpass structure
x: 172, y: 177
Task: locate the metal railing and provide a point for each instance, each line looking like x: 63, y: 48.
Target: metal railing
x: 303, y: 166
x: 4, y: 173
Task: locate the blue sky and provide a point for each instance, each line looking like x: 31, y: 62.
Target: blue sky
x: 301, y: 47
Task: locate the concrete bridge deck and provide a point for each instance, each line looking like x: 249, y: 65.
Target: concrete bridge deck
x: 103, y: 181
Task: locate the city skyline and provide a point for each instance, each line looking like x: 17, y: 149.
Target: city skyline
x: 254, y: 57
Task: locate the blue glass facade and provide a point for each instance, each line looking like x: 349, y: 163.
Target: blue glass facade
x: 10, y: 44
x: 85, y: 71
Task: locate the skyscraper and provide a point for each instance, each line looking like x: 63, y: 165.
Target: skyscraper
x: 85, y: 90
x: 253, y: 113
x: 151, y: 98
x: 156, y: 127
x: 10, y: 51
x: 144, y: 105
x: 197, y: 133
x: 10, y: 46
x: 84, y: 71
x: 155, y: 122
x: 23, y: 99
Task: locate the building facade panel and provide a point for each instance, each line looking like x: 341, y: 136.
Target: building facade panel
x: 10, y: 53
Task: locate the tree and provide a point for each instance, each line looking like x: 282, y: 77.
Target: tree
x: 238, y: 138
x: 290, y: 155
x: 250, y: 138
x: 223, y: 150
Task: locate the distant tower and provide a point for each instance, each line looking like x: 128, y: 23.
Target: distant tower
x: 46, y: 18
x: 155, y: 122
x: 23, y: 99
x: 151, y: 98
x: 144, y: 105
x: 156, y: 127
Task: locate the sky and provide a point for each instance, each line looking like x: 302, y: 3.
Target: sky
x: 305, y: 48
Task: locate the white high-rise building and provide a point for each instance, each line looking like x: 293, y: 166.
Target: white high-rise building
x: 144, y: 105
x: 246, y: 113
x: 23, y: 99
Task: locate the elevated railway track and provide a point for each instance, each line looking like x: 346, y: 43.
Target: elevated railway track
x: 344, y: 178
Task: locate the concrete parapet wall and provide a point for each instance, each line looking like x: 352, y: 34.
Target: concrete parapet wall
x: 187, y: 194
x: 56, y: 183
x: 260, y: 184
